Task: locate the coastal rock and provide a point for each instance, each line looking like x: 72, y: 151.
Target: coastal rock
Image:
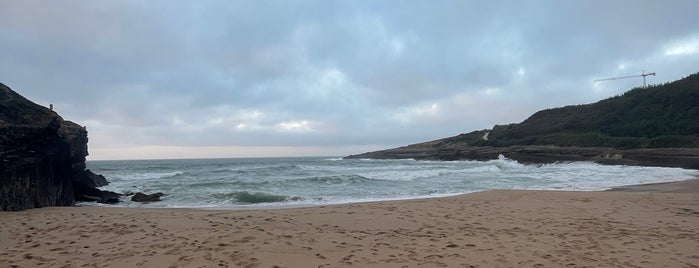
x: 90, y: 179
x: 141, y: 197
x: 93, y: 194
x: 662, y: 157
x: 42, y: 157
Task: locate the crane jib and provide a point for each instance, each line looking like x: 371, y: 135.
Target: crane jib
x: 644, y: 74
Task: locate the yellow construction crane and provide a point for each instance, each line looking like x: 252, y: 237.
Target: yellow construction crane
x: 643, y: 74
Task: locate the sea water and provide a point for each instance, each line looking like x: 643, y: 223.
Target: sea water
x: 285, y: 182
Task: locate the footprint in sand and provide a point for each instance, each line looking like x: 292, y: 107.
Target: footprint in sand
x: 244, y: 239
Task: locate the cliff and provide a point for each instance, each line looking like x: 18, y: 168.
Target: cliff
x: 42, y: 158
x: 654, y: 126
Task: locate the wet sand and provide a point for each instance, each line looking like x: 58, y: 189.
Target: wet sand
x: 641, y: 226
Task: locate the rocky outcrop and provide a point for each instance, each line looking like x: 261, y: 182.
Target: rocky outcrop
x: 90, y: 179
x: 662, y: 157
x: 141, y: 197
x: 42, y: 157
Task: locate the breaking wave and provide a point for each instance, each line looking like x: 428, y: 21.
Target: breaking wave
x: 244, y: 197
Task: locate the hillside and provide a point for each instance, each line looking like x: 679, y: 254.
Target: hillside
x: 655, y: 117
x: 642, y: 120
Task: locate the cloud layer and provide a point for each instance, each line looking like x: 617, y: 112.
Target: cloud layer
x: 252, y: 78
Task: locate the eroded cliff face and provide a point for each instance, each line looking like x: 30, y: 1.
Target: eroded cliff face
x: 42, y: 157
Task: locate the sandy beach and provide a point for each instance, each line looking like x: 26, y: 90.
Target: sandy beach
x: 642, y: 226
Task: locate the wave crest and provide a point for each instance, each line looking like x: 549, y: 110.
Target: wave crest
x: 245, y: 197
x: 148, y: 175
x: 504, y: 163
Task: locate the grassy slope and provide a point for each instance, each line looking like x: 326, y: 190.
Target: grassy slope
x: 658, y: 116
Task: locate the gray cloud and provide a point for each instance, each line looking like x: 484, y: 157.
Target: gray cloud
x: 253, y: 74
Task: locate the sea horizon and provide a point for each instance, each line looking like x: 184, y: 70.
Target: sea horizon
x: 212, y: 158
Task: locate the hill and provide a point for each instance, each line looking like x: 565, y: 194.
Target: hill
x: 653, y: 123
x: 655, y: 117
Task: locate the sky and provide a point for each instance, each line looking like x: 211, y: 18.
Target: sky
x: 199, y: 79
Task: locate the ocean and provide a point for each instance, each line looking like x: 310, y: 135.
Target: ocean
x: 241, y: 183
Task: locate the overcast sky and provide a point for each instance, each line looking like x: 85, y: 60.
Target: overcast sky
x: 187, y: 79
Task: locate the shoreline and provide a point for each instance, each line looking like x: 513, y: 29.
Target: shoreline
x: 684, y: 186
x: 687, y: 185
x: 653, y: 225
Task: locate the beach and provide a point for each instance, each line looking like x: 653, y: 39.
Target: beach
x: 641, y: 226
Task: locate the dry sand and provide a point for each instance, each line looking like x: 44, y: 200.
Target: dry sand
x: 649, y: 226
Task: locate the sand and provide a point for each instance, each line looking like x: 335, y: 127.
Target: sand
x: 648, y: 226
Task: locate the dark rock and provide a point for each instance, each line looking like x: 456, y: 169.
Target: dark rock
x: 101, y: 196
x: 141, y: 197
x: 42, y: 157
x: 662, y: 157
x: 105, y: 197
x: 88, y: 198
x: 110, y: 197
x: 90, y: 179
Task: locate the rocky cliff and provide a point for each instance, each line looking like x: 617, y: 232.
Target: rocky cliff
x: 42, y: 158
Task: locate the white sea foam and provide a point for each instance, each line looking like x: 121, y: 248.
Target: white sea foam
x: 147, y: 175
x: 401, y: 175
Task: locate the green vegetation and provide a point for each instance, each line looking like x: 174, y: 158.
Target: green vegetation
x: 660, y: 116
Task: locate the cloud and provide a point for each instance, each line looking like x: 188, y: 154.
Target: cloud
x: 327, y: 75
x: 295, y: 126
x: 687, y: 46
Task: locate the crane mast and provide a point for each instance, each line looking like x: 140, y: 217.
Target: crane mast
x: 643, y: 74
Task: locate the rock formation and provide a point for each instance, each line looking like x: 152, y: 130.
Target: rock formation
x: 141, y: 197
x: 42, y: 157
x: 661, y: 157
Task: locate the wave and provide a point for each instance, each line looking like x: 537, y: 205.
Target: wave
x: 268, y: 169
x: 340, y: 179
x: 403, y: 175
x: 211, y: 184
x: 245, y: 197
x: 488, y: 169
x: 504, y: 163
x: 147, y: 175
